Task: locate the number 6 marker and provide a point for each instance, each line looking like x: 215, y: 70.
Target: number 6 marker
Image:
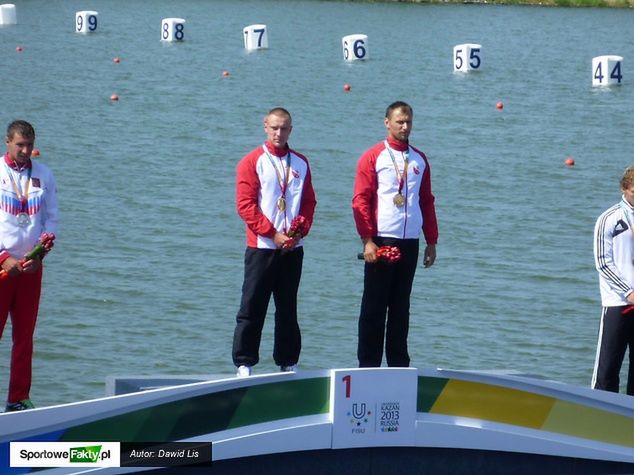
x: 355, y: 47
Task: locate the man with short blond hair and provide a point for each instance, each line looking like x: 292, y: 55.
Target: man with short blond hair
x: 273, y: 187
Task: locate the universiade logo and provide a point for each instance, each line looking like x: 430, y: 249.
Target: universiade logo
x: 359, y: 417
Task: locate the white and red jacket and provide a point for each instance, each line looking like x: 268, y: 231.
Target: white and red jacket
x: 258, y: 190
x: 16, y: 241
x: 376, y: 184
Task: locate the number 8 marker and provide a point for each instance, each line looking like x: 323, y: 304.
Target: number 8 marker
x: 172, y: 29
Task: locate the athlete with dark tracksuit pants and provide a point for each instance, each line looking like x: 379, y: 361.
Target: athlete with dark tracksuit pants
x: 614, y: 259
x: 273, y: 186
x: 392, y: 204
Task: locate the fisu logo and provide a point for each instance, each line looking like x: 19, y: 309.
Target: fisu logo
x: 358, y: 410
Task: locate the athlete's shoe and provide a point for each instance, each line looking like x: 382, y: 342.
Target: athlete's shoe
x: 243, y: 371
x: 288, y: 369
x: 22, y: 405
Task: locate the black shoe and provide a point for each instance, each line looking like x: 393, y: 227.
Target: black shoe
x: 22, y: 405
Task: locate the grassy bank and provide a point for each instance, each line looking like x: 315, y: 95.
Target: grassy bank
x: 546, y: 3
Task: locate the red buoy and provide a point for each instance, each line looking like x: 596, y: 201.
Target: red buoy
x: 114, y: 97
x: 569, y: 162
x: 35, y: 152
x: 347, y: 87
x: 116, y: 59
x: 225, y: 73
x: 499, y: 106
x: 18, y: 49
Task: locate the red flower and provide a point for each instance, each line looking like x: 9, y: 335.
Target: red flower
x: 389, y: 254
x: 297, y: 230
x: 298, y: 227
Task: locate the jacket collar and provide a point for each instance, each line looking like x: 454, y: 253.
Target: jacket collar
x: 14, y: 165
x: 278, y: 152
x: 397, y: 144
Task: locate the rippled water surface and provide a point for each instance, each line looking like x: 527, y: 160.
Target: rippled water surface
x: 145, y: 277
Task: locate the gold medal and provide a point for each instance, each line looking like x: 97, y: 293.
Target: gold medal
x: 283, y: 176
x: 399, y: 200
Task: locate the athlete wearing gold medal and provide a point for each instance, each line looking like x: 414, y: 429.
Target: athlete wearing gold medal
x: 392, y: 205
x: 273, y: 186
x: 399, y: 199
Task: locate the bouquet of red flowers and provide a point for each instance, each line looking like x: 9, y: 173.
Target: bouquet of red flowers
x: 43, y: 246
x: 298, y: 227
x: 297, y: 230
x: 389, y: 254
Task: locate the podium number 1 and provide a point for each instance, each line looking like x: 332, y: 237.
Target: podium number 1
x: 347, y: 379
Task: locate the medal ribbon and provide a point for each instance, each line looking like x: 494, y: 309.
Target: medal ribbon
x: 282, y: 177
x: 24, y: 198
x: 402, y: 178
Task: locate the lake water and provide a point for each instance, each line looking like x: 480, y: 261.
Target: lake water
x: 146, y: 274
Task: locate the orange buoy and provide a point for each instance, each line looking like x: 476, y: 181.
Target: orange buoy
x: 35, y: 152
x: 114, y: 97
x: 569, y: 162
x: 499, y: 106
x: 347, y: 87
x: 116, y: 59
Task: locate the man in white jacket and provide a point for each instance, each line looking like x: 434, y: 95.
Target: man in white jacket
x: 392, y: 205
x: 273, y: 187
x: 614, y: 259
x: 28, y: 208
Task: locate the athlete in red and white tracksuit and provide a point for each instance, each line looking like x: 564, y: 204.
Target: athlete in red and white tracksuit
x: 268, y: 174
x: 26, y: 188
x: 390, y: 168
x: 614, y: 260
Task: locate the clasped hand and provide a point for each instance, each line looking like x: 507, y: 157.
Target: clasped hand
x: 282, y: 241
x: 13, y: 266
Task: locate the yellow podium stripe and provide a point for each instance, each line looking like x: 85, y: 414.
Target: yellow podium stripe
x: 493, y: 403
x: 590, y: 423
